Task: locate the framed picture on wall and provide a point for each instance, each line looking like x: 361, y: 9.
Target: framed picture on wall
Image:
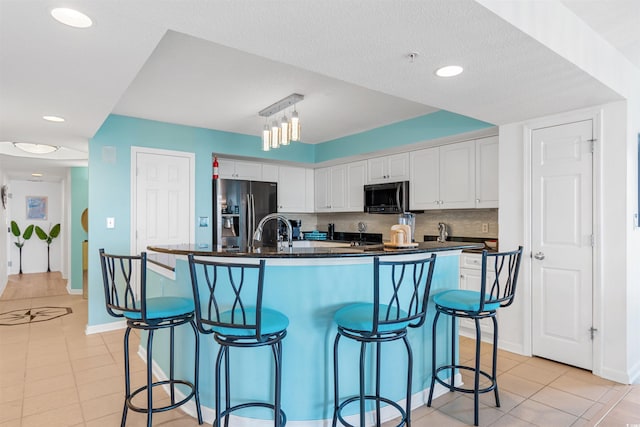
x: 36, y: 207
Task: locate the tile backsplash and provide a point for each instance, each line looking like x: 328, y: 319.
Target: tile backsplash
x: 460, y: 223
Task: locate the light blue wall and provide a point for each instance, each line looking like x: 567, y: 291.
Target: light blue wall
x: 109, y: 170
x: 424, y: 128
x: 79, y: 202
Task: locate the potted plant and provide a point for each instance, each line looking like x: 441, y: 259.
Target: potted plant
x: 15, y: 230
x: 43, y: 235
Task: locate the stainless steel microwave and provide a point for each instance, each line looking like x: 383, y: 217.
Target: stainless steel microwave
x: 388, y: 198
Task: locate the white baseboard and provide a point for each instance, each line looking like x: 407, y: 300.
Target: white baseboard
x: 208, y: 414
x: 74, y: 291
x: 105, y: 327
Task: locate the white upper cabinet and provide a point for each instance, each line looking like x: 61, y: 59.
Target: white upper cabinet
x: 443, y: 177
x: 295, y: 189
x: 340, y: 188
x: 239, y: 169
x: 424, y: 184
x: 388, y: 168
x: 487, y: 172
x: 457, y: 175
x: 356, y: 178
x: 270, y: 172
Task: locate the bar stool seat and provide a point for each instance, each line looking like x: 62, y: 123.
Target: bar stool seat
x: 404, y: 286
x: 151, y: 315
x: 161, y: 308
x: 228, y: 304
x: 497, y: 289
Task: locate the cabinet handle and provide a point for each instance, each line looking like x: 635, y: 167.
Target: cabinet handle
x: 477, y: 200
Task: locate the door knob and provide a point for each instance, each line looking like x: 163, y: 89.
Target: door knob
x: 539, y: 256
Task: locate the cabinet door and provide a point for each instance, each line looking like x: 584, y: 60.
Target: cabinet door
x: 226, y: 168
x: 424, y: 182
x: 321, y: 190
x: 338, y: 188
x: 457, y: 175
x: 356, y: 177
x: 487, y: 172
x: 248, y: 170
x: 291, y: 189
x: 377, y: 170
x: 270, y: 172
x: 398, y: 167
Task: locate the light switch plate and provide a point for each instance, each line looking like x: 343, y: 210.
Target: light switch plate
x: 111, y: 222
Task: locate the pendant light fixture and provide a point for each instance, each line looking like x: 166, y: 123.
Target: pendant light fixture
x: 282, y: 131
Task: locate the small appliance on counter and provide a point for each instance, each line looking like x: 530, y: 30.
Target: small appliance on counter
x: 410, y: 220
x: 400, y: 237
x: 296, y: 224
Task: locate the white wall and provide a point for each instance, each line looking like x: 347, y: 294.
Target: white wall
x: 34, y: 252
x: 4, y: 241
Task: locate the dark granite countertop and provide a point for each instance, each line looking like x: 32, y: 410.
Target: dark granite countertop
x: 353, y: 251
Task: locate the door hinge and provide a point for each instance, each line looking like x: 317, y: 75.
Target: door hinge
x: 592, y: 142
x: 592, y: 331
x: 593, y: 241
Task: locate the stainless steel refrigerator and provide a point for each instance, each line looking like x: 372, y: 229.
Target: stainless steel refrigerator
x: 238, y: 207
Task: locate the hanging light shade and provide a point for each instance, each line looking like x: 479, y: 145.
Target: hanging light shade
x: 275, y: 134
x: 266, y: 138
x: 285, y: 133
x: 295, y: 126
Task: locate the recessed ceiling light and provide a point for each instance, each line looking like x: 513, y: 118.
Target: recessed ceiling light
x: 56, y: 119
x: 36, y: 174
x: 71, y: 17
x: 36, y: 148
x: 449, y: 71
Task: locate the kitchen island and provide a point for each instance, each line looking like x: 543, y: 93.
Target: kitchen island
x: 309, y: 285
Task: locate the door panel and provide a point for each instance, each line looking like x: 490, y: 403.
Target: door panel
x: 163, y: 203
x: 561, y: 233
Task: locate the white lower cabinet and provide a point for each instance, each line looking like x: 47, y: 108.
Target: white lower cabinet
x: 471, y: 280
x: 295, y: 189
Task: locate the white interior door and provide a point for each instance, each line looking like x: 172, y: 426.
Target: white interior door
x: 562, y: 243
x: 163, y: 202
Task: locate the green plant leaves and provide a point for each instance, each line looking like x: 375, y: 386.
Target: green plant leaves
x: 15, y: 230
x: 28, y: 232
x: 53, y: 233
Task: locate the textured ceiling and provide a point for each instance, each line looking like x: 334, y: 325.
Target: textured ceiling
x: 215, y: 64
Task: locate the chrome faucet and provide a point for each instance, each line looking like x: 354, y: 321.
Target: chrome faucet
x: 442, y: 232
x: 275, y: 216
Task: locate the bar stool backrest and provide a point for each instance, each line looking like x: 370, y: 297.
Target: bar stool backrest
x: 401, y: 290
x: 119, y: 273
x: 499, y: 277
x: 229, y: 296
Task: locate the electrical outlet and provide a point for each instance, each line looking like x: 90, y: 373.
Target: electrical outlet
x: 485, y: 228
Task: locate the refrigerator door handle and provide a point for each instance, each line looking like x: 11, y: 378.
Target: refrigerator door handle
x: 249, y: 225
x: 253, y: 217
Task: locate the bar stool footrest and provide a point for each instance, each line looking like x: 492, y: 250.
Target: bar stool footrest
x: 283, y: 416
x: 462, y: 389
x: 403, y: 414
x: 130, y: 405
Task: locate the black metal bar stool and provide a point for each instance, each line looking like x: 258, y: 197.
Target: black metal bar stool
x: 497, y: 289
x: 228, y: 304
x: 120, y: 274
x: 400, y: 294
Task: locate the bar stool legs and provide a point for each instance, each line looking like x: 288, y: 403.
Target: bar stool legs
x: 171, y: 382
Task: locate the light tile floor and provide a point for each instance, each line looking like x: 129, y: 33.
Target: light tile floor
x: 52, y: 374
